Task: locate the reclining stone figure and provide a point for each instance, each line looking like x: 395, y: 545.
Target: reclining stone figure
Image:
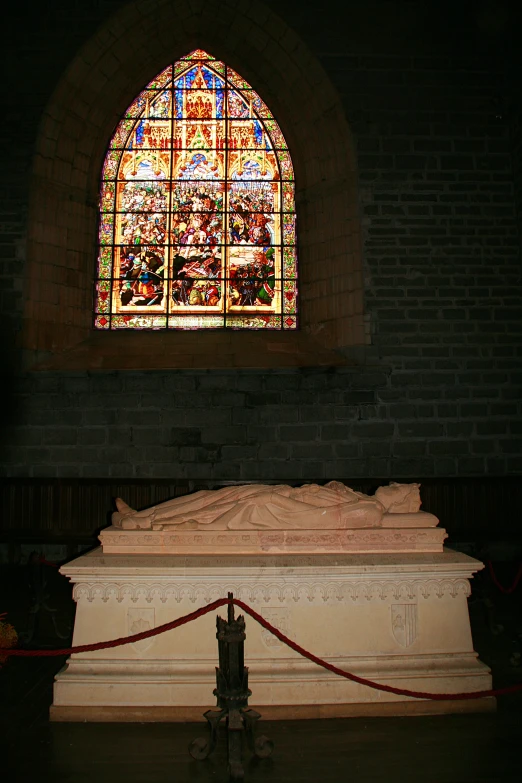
x: 280, y: 507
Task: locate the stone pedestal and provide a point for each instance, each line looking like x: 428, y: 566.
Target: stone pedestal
x: 400, y: 619
x: 410, y: 537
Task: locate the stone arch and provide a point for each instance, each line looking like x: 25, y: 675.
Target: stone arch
x: 77, y: 124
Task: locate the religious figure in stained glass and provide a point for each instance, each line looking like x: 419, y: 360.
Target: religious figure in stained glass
x: 197, y: 211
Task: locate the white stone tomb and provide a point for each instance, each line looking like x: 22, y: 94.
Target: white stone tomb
x: 383, y: 601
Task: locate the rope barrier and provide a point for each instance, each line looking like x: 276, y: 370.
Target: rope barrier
x: 362, y: 680
x: 137, y: 637
x: 505, y: 590
x: 5, y: 653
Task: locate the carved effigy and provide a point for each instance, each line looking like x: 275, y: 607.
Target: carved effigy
x: 258, y: 518
x: 280, y: 507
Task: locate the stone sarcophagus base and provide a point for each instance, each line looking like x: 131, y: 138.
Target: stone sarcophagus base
x: 388, y: 538
x: 400, y: 619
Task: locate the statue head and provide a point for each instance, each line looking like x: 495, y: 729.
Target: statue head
x: 400, y: 498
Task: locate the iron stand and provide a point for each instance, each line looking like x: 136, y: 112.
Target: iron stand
x: 232, y: 693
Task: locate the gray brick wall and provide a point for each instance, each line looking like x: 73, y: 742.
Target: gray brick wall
x: 253, y: 425
x: 440, y: 390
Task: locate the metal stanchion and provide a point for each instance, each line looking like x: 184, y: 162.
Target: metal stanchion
x: 232, y: 695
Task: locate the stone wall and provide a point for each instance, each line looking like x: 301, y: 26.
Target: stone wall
x: 249, y: 425
x: 438, y: 391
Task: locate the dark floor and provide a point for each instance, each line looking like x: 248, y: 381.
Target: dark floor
x: 441, y: 749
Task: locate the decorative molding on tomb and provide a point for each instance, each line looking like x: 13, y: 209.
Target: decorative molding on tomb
x: 261, y: 592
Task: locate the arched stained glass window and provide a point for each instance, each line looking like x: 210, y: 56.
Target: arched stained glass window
x: 197, y: 213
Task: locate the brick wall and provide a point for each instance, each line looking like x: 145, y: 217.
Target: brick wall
x: 438, y: 391
x: 295, y: 424
x: 443, y: 255
x: 510, y: 107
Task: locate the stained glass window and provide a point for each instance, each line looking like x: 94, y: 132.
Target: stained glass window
x: 197, y: 211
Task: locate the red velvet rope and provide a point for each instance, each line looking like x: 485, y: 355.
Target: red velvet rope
x: 361, y: 680
x: 281, y: 636
x: 137, y: 637
x: 505, y: 590
x: 43, y: 561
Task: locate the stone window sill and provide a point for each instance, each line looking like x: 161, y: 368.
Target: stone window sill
x: 191, y: 350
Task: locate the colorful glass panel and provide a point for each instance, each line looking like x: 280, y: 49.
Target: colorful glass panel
x: 197, y: 208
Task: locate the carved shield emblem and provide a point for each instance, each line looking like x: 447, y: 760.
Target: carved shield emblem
x: 278, y: 617
x: 138, y: 620
x: 404, y: 623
